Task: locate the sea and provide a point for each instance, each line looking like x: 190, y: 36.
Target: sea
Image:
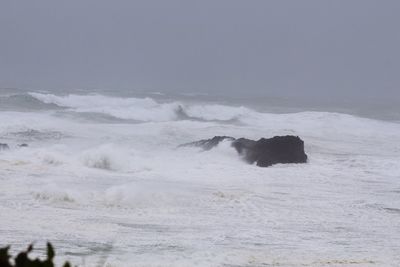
x: 102, y: 178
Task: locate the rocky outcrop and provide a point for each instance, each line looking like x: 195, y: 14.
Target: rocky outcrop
x: 208, y: 144
x: 264, y: 152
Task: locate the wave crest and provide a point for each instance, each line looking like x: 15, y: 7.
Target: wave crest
x: 106, y: 157
x: 144, y: 109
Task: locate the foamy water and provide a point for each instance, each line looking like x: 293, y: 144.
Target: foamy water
x: 104, y: 181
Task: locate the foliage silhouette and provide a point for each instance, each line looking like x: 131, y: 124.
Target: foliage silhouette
x: 22, y: 259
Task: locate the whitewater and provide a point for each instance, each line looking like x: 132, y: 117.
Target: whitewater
x: 103, y: 179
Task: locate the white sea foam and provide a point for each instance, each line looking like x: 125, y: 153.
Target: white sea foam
x: 54, y: 193
x: 141, y: 109
x: 217, y: 112
x: 107, y: 157
x: 125, y: 192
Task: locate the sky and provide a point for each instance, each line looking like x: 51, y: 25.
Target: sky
x: 322, y: 49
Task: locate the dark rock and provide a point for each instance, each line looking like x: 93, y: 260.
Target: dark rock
x: 4, y: 146
x: 208, y: 144
x: 264, y: 152
x: 23, y: 145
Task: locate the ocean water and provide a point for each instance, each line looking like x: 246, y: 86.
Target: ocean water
x: 103, y: 180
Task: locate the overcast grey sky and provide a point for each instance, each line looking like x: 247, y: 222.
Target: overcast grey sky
x: 338, y: 49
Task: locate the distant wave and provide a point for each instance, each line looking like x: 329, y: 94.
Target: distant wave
x: 22, y: 102
x: 142, y: 109
x: 149, y: 110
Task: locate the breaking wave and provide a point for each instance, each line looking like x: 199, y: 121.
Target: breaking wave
x: 24, y: 102
x: 106, y: 157
x: 142, y: 109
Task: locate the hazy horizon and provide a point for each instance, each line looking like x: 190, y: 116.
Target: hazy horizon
x: 341, y: 51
